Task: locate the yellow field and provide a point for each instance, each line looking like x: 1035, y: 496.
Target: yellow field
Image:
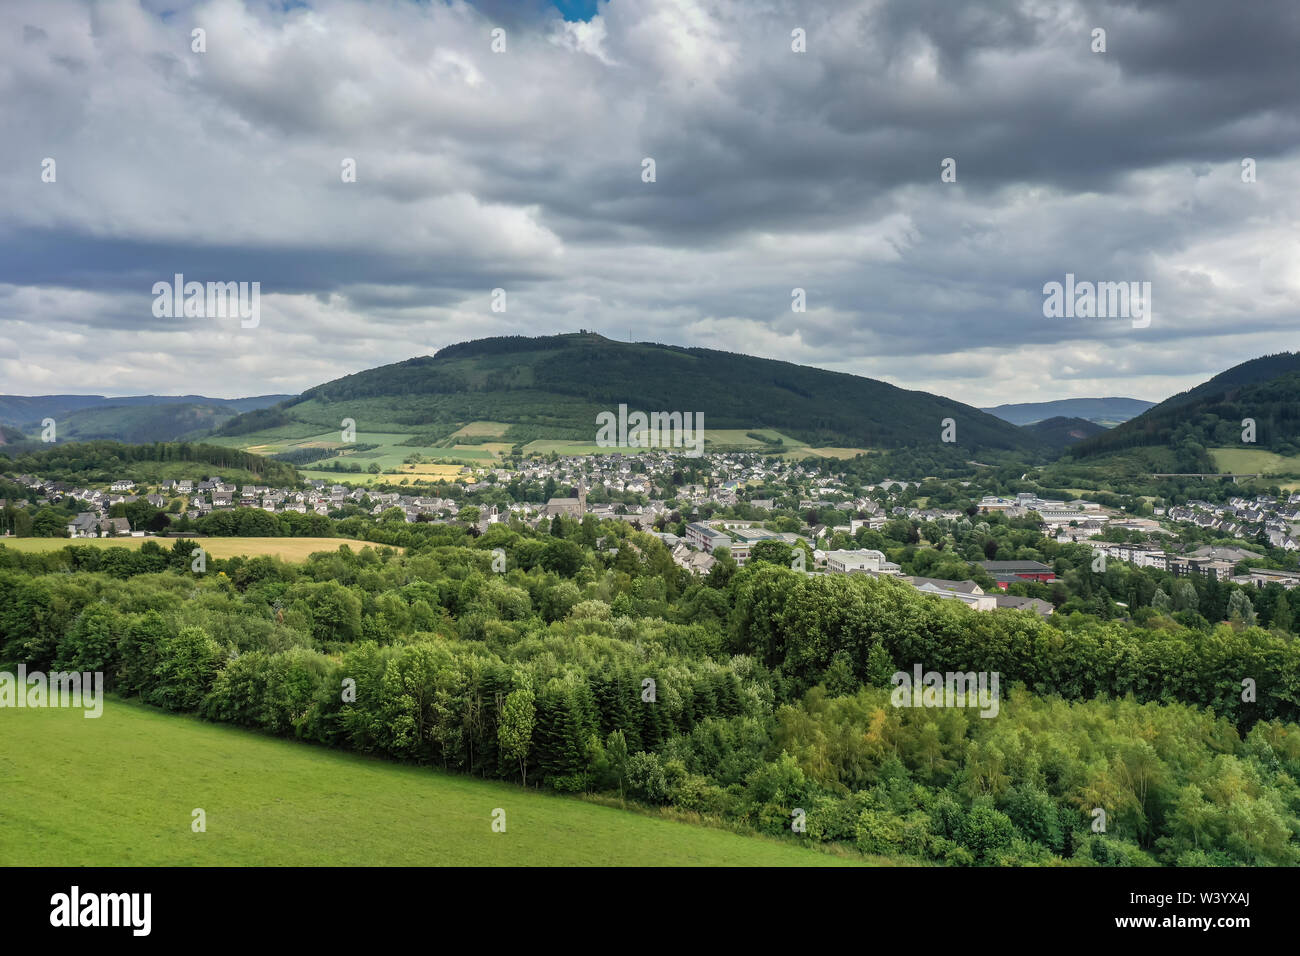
x: 829, y: 452
x: 366, y: 478
x: 287, y: 549
x: 475, y: 429
x: 449, y: 472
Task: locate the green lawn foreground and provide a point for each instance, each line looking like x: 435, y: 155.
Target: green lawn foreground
x: 119, y: 791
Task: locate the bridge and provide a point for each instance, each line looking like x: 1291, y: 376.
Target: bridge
x: 1205, y: 474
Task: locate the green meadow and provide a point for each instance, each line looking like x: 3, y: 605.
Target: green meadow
x: 389, y: 455
x: 1255, y: 461
x: 120, y: 790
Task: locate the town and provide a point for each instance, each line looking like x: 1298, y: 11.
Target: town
x: 716, y: 508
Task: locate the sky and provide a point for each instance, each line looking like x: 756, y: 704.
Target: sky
x: 523, y: 169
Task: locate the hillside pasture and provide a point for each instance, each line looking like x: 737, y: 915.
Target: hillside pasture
x: 272, y: 802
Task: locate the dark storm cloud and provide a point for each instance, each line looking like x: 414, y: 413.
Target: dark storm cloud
x: 774, y: 170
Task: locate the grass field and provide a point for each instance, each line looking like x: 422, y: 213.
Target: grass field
x: 1254, y: 460
x: 120, y: 790
x: 566, y: 446
x: 390, y: 454
x: 287, y: 549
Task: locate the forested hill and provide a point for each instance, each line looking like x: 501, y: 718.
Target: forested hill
x: 96, y: 462
x: 134, y: 418
x: 1061, y: 431
x: 553, y: 387
x: 1265, y: 389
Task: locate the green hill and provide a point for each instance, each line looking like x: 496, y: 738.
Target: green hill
x: 142, y: 423
x: 552, y: 387
x: 1265, y: 389
x: 99, y: 462
x: 1061, y: 431
x: 136, y: 418
x: 271, y: 802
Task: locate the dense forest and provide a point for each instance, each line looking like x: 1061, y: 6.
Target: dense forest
x: 99, y: 462
x: 1262, y: 390
x: 757, y: 698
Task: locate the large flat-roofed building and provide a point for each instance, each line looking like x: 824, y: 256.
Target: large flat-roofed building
x: 1006, y: 572
x: 700, y: 535
x: 1265, y: 576
x: 863, y: 561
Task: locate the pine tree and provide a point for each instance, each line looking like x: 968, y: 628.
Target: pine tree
x: 1282, y: 618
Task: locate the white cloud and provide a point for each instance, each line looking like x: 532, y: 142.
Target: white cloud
x: 521, y: 170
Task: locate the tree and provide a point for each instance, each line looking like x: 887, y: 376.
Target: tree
x: 1282, y: 613
x: 91, y: 644
x: 138, y: 653
x: 1185, y: 596
x: 335, y: 612
x: 985, y: 831
x: 1161, y: 601
x: 723, y: 570
x: 1240, y: 610
x: 617, y: 755
x: 562, y: 557
x: 559, y: 600
x: 772, y: 552
x: 515, y: 727
x: 187, y: 666
x: 49, y: 523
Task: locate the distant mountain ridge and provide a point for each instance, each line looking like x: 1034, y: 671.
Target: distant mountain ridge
x: 132, y: 418
x: 1102, y: 411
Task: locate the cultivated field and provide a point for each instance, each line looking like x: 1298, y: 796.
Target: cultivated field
x: 286, y: 549
x: 390, y: 454
x: 120, y: 790
x: 1253, y: 460
x: 827, y: 452
x: 479, y: 429
x: 567, y: 446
